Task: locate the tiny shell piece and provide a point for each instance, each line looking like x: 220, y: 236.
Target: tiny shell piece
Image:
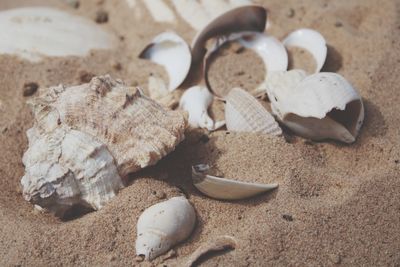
x: 320, y: 106
x: 173, y: 53
x: 225, y: 189
x: 243, y: 113
x: 164, y: 225
x: 310, y: 40
x: 196, y: 101
x: 86, y: 138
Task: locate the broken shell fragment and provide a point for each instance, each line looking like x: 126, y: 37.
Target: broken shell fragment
x: 164, y: 225
x: 196, y: 101
x: 35, y: 32
x: 243, y: 113
x: 173, y: 53
x: 86, y: 138
x: 310, y: 40
x: 241, y: 19
x: 221, y: 243
x: 225, y: 189
x: 320, y: 106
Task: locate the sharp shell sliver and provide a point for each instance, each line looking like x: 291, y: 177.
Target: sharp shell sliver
x: 225, y: 189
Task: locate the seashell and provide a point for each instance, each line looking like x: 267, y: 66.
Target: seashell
x: 241, y: 19
x: 158, y: 91
x: 196, y: 101
x: 221, y: 243
x: 67, y: 168
x: 164, y: 225
x: 173, y: 53
x: 243, y: 113
x: 321, y: 106
x: 35, y: 32
x: 225, y: 189
x: 101, y: 130
x: 310, y: 40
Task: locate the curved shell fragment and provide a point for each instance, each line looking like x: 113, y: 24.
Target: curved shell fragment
x: 221, y: 243
x: 310, y: 40
x: 35, y: 32
x: 243, y: 113
x: 196, y: 101
x: 241, y: 19
x: 225, y: 189
x: 163, y: 225
x: 320, y: 106
x: 173, y: 53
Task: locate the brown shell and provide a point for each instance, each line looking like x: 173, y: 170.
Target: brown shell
x: 136, y: 130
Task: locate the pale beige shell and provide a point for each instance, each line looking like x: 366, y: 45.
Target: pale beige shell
x: 243, y: 113
x: 106, y: 127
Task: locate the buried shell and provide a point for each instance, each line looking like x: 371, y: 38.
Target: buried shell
x: 243, y: 113
x: 196, y: 101
x: 225, y: 189
x: 320, y: 106
x: 163, y: 225
x: 86, y: 137
x: 35, y: 32
x: 165, y: 49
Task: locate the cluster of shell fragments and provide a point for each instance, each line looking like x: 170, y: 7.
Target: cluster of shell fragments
x: 87, y: 138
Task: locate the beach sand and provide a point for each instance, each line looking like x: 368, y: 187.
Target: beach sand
x: 336, y: 203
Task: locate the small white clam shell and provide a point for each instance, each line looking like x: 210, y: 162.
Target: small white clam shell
x: 320, y: 106
x: 196, y: 101
x: 173, y: 53
x: 35, y: 32
x: 310, y: 40
x: 225, y: 189
x: 243, y: 113
x: 163, y: 225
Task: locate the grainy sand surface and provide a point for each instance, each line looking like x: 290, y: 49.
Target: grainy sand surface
x: 336, y: 204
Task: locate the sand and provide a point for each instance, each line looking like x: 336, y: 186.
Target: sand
x: 336, y: 204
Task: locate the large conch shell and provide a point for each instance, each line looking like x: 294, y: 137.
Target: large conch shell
x: 320, y: 106
x: 225, y: 189
x: 163, y: 225
x: 173, y: 53
x: 243, y: 113
x: 35, y: 32
x: 196, y: 101
x: 86, y: 138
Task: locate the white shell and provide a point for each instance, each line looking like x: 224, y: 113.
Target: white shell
x: 225, y: 189
x: 35, y: 32
x: 160, y: 11
x: 310, y: 40
x: 196, y: 101
x: 243, y: 113
x: 270, y: 49
x: 173, y: 53
x: 59, y: 176
x: 163, y: 225
x: 320, y: 106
